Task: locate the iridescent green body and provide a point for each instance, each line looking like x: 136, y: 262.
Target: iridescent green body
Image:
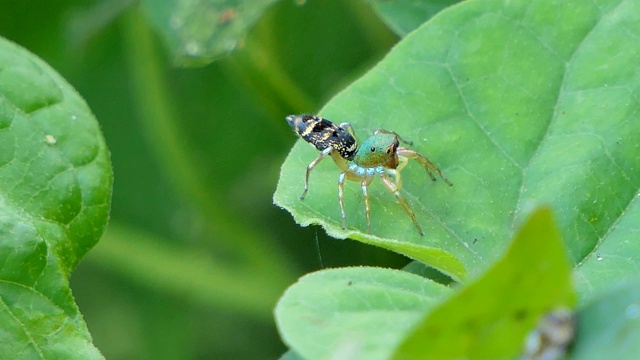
x: 379, y: 155
x: 380, y: 149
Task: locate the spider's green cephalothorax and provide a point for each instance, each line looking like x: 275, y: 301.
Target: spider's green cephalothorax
x: 380, y: 149
x: 380, y: 154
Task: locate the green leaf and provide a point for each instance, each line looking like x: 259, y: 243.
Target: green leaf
x: 55, y: 191
x: 404, y: 16
x: 418, y: 268
x: 519, y: 103
x: 353, y: 313
x: 489, y: 318
x: 321, y: 201
x: 609, y: 326
x: 290, y: 355
x: 198, y: 31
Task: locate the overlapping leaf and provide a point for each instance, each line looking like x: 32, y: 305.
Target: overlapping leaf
x: 490, y: 318
x: 353, y: 313
x: 370, y: 313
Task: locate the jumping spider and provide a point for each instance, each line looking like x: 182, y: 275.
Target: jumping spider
x: 379, y: 155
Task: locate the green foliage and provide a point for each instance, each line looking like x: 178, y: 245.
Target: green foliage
x: 609, y: 326
x: 505, y: 303
x: 403, y: 16
x: 354, y: 313
x: 366, y: 313
x: 520, y: 104
x: 196, y: 255
x: 55, y: 191
x: 198, y: 31
x: 514, y: 102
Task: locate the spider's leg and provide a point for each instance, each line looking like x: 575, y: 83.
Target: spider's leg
x: 349, y: 128
x: 341, y: 179
x: 396, y: 192
x: 383, y: 131
x: 310, y: 167
x: 367, y: 205
x: 396, y: 176
x: 422, y: 160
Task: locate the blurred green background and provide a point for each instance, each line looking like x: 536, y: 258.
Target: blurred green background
x: 196, y: 255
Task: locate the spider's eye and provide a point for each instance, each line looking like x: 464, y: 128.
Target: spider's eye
x: 335, y: 134
x: 373, y: 149
x: 388, y: 150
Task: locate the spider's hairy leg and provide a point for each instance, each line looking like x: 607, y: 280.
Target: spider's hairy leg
x: 383, y: 131
x: 341, y: 179
x: 367, y: 205
x: 422, y: 160
x: 396, y: 173
x: 396, y: 192
x: 310, y: 167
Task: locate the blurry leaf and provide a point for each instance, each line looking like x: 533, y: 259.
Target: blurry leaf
x: 489, y: 318
x: 404, y: 16
x: 87, y: 23
x: 518, y: 103
x: 609, y: 326
x: 290, y: 355
x: 182, y: 161
x: 190, y: 274
x: 55, y: 190
x: 353, y: 313
x: 198, y: 31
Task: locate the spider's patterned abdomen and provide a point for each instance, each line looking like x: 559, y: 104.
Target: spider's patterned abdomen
x: 323, y: 133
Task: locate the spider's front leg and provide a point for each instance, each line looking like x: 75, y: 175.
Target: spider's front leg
x: 347, y: 126
x: 391, y: 186
x: 424, y: 161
